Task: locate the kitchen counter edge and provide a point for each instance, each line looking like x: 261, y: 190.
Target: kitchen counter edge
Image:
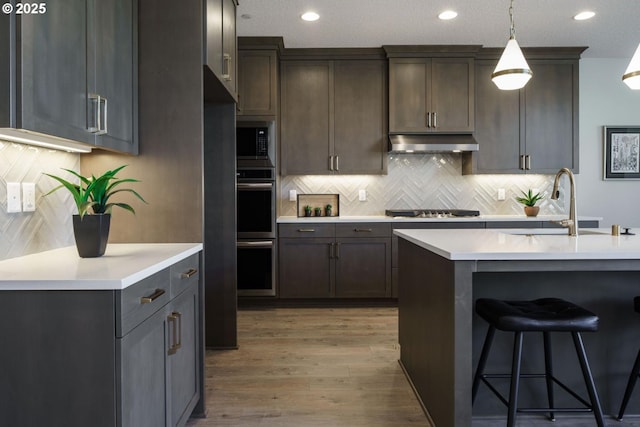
x: 382, y: 218
x: 122, y: 265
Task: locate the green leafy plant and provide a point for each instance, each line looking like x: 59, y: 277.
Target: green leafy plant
x: 307, y: 208
x: 95, y: 193
x: 328, y: 207
x: 529, y: 198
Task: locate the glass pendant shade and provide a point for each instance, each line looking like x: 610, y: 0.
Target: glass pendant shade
x: 512, y: 71
x: 632, y: 76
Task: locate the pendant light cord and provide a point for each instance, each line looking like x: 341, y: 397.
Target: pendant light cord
x: 512, y: 30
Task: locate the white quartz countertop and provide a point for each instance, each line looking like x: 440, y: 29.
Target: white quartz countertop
x: 62, y: 269
x: 524, y: 244
x: 382, y: 218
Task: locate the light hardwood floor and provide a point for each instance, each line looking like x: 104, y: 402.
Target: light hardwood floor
x: 316, y: 367
x: 311, y: 367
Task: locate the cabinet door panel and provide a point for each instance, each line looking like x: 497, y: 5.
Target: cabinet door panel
x: 452, y: 95
x: 497, y: 124
x: 229, y: 49
x: 142, y: 374
x: 113, y: 61
x: 257, y: 83
x: 549, y: 117
x: 53, y: 77
x: 305, y: 266
x: 213, y: 28
x: 363, y: 267
x: 183, y: 364
x: 360, y: 130
x: 408, y: 80
x: 307, y: 127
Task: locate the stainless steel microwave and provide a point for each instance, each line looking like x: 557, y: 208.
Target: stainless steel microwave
x: 255, y: 144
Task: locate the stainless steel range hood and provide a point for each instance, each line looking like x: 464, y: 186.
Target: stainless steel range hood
x: 431, y: 143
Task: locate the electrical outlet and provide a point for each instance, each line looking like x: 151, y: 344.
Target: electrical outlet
x: 362, y: 195
x: 292, y: 195
x: 14, y: 203
x: 28, y: 196
x: 501, y: 194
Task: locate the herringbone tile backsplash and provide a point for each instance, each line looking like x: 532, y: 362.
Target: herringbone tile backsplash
x: 50, y: 226
x: 422, y: 181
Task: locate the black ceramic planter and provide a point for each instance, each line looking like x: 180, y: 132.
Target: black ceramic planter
x: 91, y: 233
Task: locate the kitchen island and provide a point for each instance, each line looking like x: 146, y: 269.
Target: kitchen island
x: 109, y: 341
x: 442, y: 273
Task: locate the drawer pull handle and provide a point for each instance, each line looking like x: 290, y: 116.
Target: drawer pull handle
x: 306, y: 230
x: 363, y: 230
x: 189, y: 273
x: 175, y: 318
x: 151, y: 298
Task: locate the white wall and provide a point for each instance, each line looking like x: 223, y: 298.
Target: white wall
x: 605, y: 101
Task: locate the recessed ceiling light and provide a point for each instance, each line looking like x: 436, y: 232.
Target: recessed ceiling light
x: 448, y: 14
x: 310, y: 16
x: 587, y: 14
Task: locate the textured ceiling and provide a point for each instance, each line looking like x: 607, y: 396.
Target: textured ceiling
x: 613, y: 33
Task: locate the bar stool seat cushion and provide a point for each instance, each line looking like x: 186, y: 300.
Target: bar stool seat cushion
x: 545, y: 314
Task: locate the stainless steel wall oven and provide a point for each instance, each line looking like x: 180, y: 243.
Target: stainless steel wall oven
x: 256, y: 209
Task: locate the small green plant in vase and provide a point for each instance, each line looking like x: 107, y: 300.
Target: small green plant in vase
x: 92, y: 196
x: 328, y: 210
x: 529, y: 201
x: 307, y: 210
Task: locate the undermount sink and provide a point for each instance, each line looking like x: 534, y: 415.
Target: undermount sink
x: 553, y: 232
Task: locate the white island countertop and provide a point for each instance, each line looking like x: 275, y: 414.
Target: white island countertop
x: 524, y: 244
x: 62, y: 269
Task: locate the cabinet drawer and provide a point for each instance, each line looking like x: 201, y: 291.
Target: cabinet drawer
x: 307, y: 230
x: 365, y: 229
x: 184, y: 273
x: 137, y: 302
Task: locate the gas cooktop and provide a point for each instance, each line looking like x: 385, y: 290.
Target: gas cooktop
x: 430, y: 213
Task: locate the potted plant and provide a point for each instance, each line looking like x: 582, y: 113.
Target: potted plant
x: 328, y: 210
x: 307, y: 210
x: 318, y: 211
x: 92, y: 197
x: 529, y: 201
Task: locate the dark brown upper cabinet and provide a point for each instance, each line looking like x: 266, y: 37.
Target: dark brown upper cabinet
x: 258, y: 75
x: 220, y: 50
x: 531, y: 130
x: 431, y: 89
x: 333, y: 116
x: 72, y: 73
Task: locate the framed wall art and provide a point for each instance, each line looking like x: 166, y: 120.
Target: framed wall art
x: 621, y: 152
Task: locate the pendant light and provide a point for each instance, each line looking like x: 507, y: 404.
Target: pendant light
x: 632, y: 76
x: 512, y: 71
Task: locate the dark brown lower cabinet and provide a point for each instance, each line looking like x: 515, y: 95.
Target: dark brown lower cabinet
x: 343, y: 266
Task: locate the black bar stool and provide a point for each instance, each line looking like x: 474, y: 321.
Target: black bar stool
x: 635, y: 371
x: 542, y: 315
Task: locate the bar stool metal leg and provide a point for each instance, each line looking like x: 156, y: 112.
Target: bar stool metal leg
x: 548, y: 370
x: 588, y: 378
x: 486, y: 347
x: 633, y: 377
x: 515, y: 379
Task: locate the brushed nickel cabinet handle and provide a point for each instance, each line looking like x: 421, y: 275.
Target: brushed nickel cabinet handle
x: 337, y: 162
x: 226, y: 67
x: 151, y: 298
x: 189, y: 273
x: 337, y: 255
x: 306, y: 230
x: 332, y: 250
x: 522, y: 163
x: 363, y: 230
x: 330, y: 163
x: 428, y: 119
x: 435, y: 120
x: 528, y: 162
x: 175, y: 318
